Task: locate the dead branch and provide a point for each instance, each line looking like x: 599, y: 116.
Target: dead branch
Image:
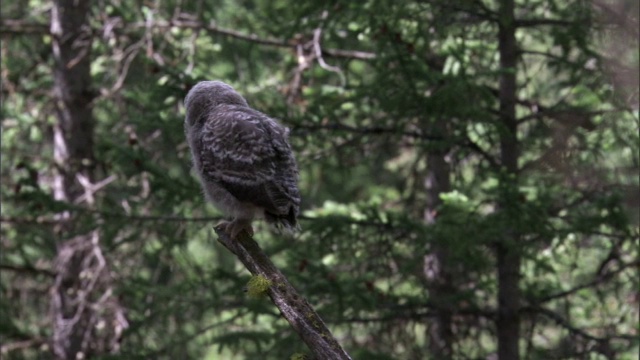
x: 300, y: 315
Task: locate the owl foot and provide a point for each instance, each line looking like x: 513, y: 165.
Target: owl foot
x: 236, y: 227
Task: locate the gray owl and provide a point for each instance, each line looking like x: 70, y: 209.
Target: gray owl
x: 242, y: 157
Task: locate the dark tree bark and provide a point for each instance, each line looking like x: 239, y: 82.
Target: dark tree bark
x: 436, y: 264
x: 508, y: 258
x: 73, y: 132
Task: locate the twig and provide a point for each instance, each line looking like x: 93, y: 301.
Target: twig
x: 300, y: 315
x: 317, y: 35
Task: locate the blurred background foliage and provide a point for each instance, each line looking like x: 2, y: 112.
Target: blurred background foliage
x: 396, y: 117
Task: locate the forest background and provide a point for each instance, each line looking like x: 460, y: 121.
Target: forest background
x: 469, y: 174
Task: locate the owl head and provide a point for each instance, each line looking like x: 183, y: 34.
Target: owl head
x: 206, y: 96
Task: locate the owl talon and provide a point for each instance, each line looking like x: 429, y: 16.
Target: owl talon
x: 236, y: 227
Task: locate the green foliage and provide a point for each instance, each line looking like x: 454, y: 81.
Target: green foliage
x: 422, y: 80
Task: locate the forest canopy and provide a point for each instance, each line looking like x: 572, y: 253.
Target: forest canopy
x: 469, y: 174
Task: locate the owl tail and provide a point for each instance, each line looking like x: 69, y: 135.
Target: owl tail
x: 288, y: 222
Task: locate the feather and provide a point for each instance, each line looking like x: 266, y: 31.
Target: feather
x: 242, y: 156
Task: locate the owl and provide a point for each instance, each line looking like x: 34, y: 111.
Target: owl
x: 242, y: 157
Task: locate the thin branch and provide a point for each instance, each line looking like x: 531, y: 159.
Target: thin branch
x: 20, y: 345
x: 378, y: 130
x: 41, y: 220
x: 293, y: 307
x: 375, y: 130
x: 317, y: 36
x: 418, y: 314
x: 537, y: 22
x: 90, y: 189
x: 352, y: 54
x: 28, y: 270
x: 19, y: 27
x: 600, y: 278
x: 560, y: 320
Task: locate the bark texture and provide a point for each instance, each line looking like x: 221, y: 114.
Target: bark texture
x: 437, y: 267
x: 73, y: 132
x: 293, y: 307
x: 508, y: 258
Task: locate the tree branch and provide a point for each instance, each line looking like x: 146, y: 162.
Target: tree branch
x: 378, y: 130
x: 598, y: 279
x: 565, y: 323
x: 521, y: 23
x: 300, y: 315
x: 28, y: 269
x: 8, y: 347
x: 20, y: 27
x: 16, y: 27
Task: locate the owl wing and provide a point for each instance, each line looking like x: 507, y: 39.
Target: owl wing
x: 247, y: 154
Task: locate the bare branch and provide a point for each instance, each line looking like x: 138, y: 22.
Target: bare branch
x: 90, y: 189
x: 300, y: 315
x: 28, y: 269
x: 19, y: 27
x: 6, y: 348
x: 360, y: 55
x: 13, y: 26
x: 317, y: 35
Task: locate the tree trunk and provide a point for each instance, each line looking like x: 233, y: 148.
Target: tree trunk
x: 508, y: 258
x: 86, y: 317
x: 436, y: 264
x: 73, y: 132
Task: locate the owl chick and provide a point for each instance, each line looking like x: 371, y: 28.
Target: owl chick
x: 242, y: 157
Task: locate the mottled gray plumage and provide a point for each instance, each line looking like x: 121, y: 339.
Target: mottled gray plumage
x: 242, y: 157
